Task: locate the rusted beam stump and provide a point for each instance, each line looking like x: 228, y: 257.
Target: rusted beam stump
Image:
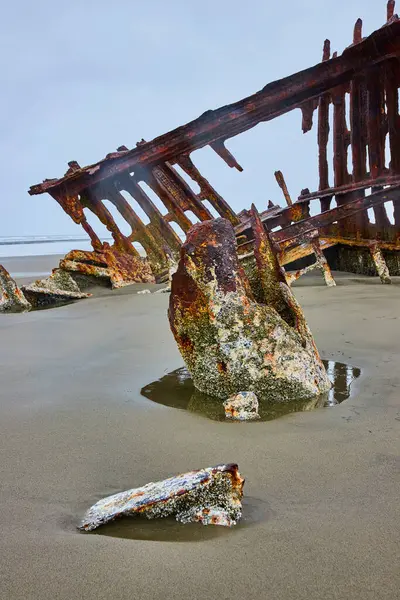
x: 322, y: 263
x: 380, y: 263
x: 295, y: 275
x: 230, y: 342
x: 11, y: 297
x: 282, y: 184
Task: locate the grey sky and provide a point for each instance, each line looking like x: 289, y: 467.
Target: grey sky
x: 83, y: 77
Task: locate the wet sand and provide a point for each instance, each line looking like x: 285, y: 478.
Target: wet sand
x: 28, y: 268
x: 321, y: 514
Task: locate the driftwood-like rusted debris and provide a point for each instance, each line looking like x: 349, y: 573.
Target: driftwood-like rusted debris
x: 210, y: 496
x: 365, y: 80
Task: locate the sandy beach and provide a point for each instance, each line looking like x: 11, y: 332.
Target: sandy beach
x: 321, y: 508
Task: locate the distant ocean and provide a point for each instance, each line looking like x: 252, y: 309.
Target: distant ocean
x: 35, y: 245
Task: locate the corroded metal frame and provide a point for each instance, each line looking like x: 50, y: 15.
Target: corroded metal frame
x: 365, y: 79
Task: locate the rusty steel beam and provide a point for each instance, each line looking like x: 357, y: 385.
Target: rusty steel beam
x: 219, y: 147
x: 392, y: 83
x: 341, y: 137
x: 140, y: 233
x: 207, y: 192
x: 159, y: 225
x: 298, y: 251
x: 358, y: 128
x: 366, y: 243
x: 376, y: 122
x: 162, y: 187
x: 301, y: 228
x: 275, y: 99
x: 392, y: 180
x: 323, y: 128
x: 93, y: 200
x: 336, y: 214
x: 181, y: 191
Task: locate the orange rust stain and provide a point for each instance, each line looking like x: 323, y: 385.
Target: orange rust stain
x: 186, y: 344
x: 221, y: 366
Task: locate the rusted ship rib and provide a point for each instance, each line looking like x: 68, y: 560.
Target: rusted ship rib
x: 366, y: 78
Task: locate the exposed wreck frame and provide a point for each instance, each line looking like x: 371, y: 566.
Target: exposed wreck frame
x: 366, y: 77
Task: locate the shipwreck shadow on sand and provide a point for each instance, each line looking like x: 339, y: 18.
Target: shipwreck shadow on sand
x: 168, y: 529
x: 176, y: 390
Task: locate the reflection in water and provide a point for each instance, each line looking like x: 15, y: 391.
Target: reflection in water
x: 177, y: 390
x: 341, y: 376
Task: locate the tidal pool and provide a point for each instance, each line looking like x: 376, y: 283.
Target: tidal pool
x: 176, y: 390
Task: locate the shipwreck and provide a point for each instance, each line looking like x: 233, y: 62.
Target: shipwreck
x: 330, y: 223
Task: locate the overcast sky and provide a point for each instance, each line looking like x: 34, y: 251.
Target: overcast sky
x: 80, y: 78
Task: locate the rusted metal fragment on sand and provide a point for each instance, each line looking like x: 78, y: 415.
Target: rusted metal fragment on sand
x: 110, y: 265
x: 211, y: 496
x: 58, y: 288
x: 11, y: 297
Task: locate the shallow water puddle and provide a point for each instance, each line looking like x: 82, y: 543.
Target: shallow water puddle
x: 176, y: 390
x: 169, y: 530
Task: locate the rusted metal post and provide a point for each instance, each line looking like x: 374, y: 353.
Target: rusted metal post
x: 357, y: 35
x: 219, y: 147
x: 282, y: 184
x: 392, y: 83
x: 390, y: 9
x: 376, y: 122
x: 323, y: 263
x: 380, y: 264
x: 341, y: 137
x: 323, y: 129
